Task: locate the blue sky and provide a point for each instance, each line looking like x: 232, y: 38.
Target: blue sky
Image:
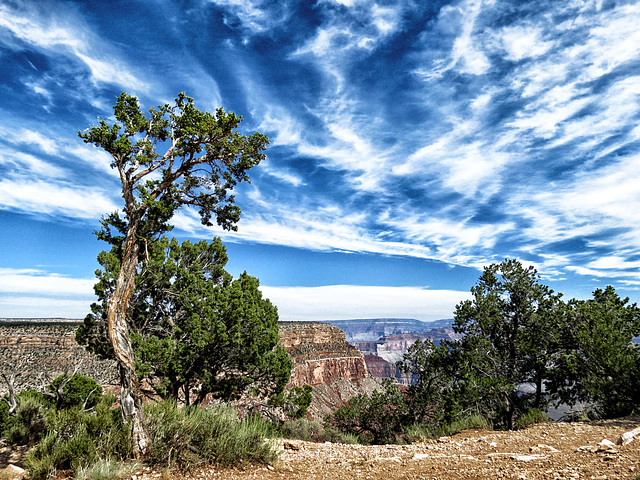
x: 412, y: 143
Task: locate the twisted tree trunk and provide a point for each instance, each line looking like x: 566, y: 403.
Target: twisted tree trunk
x: 130, y: 397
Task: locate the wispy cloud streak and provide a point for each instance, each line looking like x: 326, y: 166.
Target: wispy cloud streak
x: 461, y: 131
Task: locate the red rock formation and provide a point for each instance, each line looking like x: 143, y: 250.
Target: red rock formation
x: 379, y: 367
x: 320, y: 354
x: 322, y: 358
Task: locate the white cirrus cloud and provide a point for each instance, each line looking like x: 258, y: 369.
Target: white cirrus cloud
x: 456, y: 24
x: 38, y: 197
x: 62, y: 31
x: 461, y: 160
x: 596, y: 201
x: 255, y: 15
x: 329, y: 228
x: 51, y: 145
x: 24, y: 162
x: 520, y: 42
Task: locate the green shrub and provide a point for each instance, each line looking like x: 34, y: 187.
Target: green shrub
x: 39, y: 465
x: 378, y: 418
x: 531, y: 417
x: 313, y: 431
x: 185, y: 437
x: 79, y: 391
x: 4, y: 414
x: 30, y: 421
x: 302, y: 429
x: 78, y: 439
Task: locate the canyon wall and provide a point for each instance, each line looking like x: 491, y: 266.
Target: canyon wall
x: 381, y: 355
x: 42, y: 347
x: 322, y: 358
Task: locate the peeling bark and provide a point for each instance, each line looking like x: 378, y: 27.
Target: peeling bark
x: 130, y: 396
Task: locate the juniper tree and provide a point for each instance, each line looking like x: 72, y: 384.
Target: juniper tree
x: 174, y: 156
x: 194, y: 328
x: 510, y: 330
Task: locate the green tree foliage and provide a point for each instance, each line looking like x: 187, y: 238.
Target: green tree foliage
x: 77, y: 391
x: 174, y: 156
x: 295, y: 402
x: 599, y: 363
x: 194, y: 326
x: 380, y: 416
x: 509, y: 333
x: 515, y: 334
x: 432, y: 394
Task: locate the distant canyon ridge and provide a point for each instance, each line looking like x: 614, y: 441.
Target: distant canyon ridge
x: 339, y: 359
x: 384, y: 341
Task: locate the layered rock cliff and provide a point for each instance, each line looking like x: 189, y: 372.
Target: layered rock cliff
x: 39, y: 348
x: 322, y: 358
x: 320, y: 354
x: 381, y: 355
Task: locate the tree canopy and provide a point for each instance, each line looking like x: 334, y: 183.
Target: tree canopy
x: 523, y: 347
x: 598, y: 362
x: 508, y: 336
x: 194, y: 326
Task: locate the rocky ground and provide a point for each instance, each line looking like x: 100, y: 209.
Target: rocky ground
x: 549, y: 451
x: 552, y: 451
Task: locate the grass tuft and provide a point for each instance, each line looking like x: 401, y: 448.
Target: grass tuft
x: 313, y: 431
x: 106, y: 469
x: 183, y: 438
x: 531, y: 417
x: 472, y: 422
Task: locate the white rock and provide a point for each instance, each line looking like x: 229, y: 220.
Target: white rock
x: 528, y: 458
x: 629, y: 436
x: 13, y: 471
x: 548, y: 448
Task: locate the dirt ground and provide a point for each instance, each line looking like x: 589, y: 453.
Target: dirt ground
x: 553, y: 451
x: 549, y: 451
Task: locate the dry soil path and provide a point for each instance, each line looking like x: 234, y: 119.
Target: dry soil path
x: 553, y: 451
x: 549, y: 451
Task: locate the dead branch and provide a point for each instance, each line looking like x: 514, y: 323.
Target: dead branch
x: 58, y: 393
x: 10, y: 381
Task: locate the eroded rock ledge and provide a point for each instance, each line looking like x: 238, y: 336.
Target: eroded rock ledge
x: 322, y: 358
